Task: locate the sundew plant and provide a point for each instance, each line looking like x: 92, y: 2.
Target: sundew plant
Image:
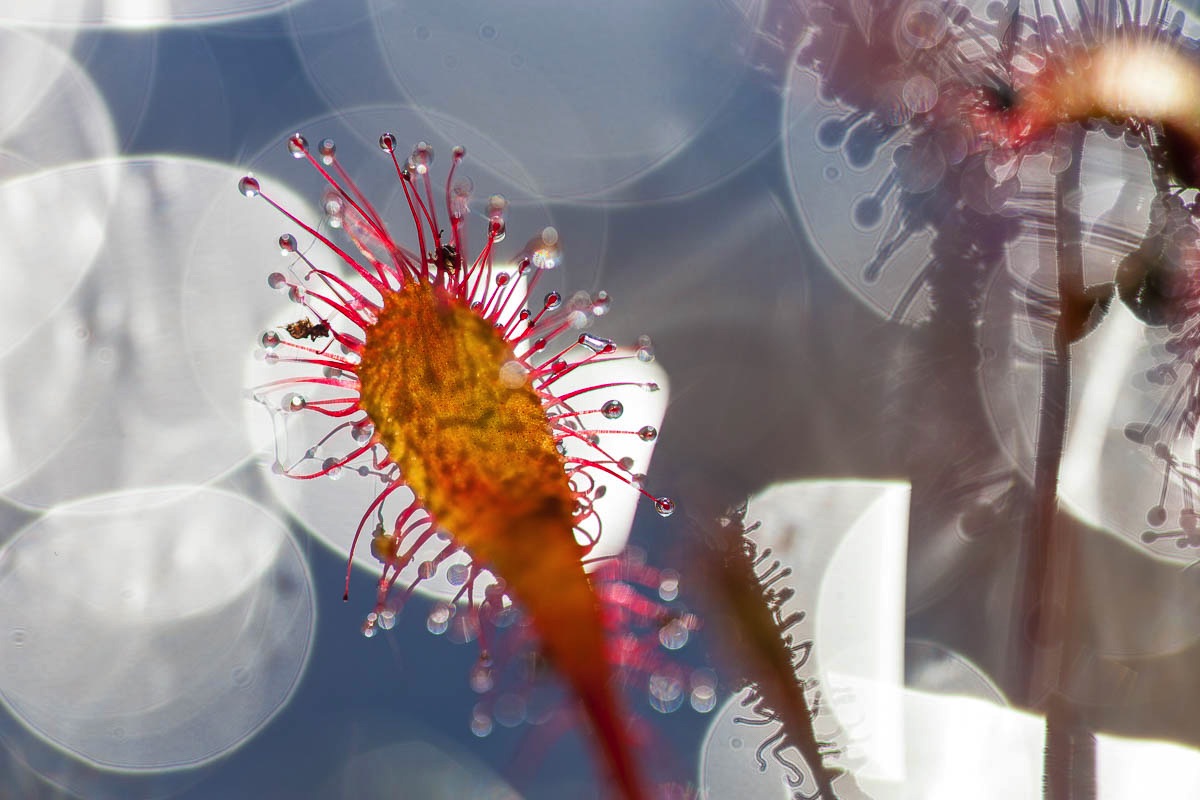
x: 343, y: 488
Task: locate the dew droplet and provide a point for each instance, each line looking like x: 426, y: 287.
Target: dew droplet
x: 481, y: 679
x: 327, y: 149
x: 673, y: 635
x: 426, y: 570
x: 481, y: 721
x: 331, y: 468
x: 249, y: 186
x: 422, y: 157
x: 513, y: 374
x: 668, y: 585
x: 665, y: 506
x: 287, y: 244
x: 387, y: 142
x: 597, y: 344
x: 1156, y: 516
x: 645, y: 349
x: 293, y: 402
x: 1137, y: 432
x: 457, y: 574
x: 552, y: 301
x: 270, y: 340
x: 626, y: 463
x: 438, y: 620
x: 510, y: 710
x: 387, y: 619
x: 867, y: 212
x: 601, y: 304
x: 297, y: 146
x: 703, y: 699
x: 611, y: 410
x: 362, y: 431
x: 496, y: 206
x: 666, y: 693
x: 458, y: 153
x: 277, y: 280
x: 648, y: 433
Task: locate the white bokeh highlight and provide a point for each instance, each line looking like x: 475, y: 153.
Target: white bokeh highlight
x: 135, y: 375
x: 155, y: 629
x: 668, y: 66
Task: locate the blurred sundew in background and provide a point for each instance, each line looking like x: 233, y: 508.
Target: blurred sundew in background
x: 171, y: 622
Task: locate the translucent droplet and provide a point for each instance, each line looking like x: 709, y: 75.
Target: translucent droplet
x: 703, y: 699
x: 422, y: 157
x: 287, y: 244
x: 601, y: 304
x: 645, y: 349
x: 597, y: 344
x: 277, y: 280
x: 510, y: 710
x: 297, y: 146
x: 426, y: 570
x: 327, y: 150
x: 458, y: 153
x: 648, y: 433
x: 439, y: 619
x: 481, y: 679
x: 666, y: 693
x: 496, y: 207
x: 611, y: 410
x: 668, y: 585
x: 481, y: 721
x: 460, y: 196
x: 331, y: 468
x: 249, y: 186
x: 368, y: 626
x: 457, y: 574
x: 552, y: 301
x: 665, y: 506
x: 513, y: 374
x: 1156, y: 516
x: 362, y: 431
x: 270, y: 340
x: 387, y: 619
x: 387, y: 142
x: 673, y: 635
x: 293, y: 402
x: 626, y: 463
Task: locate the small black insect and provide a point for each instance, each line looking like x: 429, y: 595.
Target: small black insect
x: 305, y: 327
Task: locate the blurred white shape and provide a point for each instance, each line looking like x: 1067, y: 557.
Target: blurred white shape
x: 1109, y: 354
x: 56, y: 117
x: 956, y: 747
x: 418, y: 769
x: 1139, y: 768
x: 152, y: 630
x: 860, y: 631
x: 135, y: 380
x: 602, y: 109
x: 133, y: 13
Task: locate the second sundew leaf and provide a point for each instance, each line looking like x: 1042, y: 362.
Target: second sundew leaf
x: 762, y: 648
